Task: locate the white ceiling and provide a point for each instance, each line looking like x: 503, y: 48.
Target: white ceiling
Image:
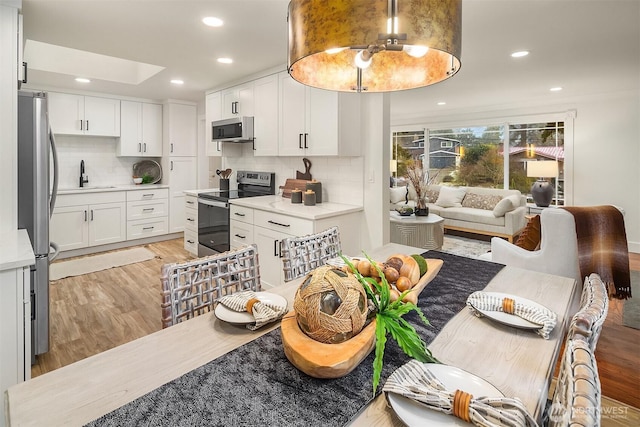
x: 585, y: 46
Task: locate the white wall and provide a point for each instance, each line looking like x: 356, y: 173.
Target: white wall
x: 606, y: 147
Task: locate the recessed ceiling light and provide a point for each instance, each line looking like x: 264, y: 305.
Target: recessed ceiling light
x: 212, y: 21
x: 177, y: 82
x: 519, y: 54
x: 556, y: 89
x: 82, y: 80
x: 442, y: 103
x: 225, y: 60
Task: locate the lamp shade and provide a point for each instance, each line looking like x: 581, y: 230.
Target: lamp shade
x: 542, y: 169
x: 392, y: 36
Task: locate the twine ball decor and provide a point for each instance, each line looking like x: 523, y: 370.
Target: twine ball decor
x: 330, y: 305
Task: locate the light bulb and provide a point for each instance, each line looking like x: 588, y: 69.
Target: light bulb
x: 335, y: 50
x: 363, y: 60
x: 417, y: 51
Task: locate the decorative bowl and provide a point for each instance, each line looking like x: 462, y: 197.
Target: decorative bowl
x: 405, y: 211
x: 137, y: 180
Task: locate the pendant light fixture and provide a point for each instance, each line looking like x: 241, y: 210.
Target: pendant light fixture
x: 374, y: 45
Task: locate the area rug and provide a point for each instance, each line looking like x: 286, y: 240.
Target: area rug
x: 631, y: 309
x: 463, y: 246
x: 93, y: 263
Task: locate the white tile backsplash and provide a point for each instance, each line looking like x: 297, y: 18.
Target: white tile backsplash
x: 101, y: 164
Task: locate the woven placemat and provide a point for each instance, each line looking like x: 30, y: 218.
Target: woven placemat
x: 255, y: 384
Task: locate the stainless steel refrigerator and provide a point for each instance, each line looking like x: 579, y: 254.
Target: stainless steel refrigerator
x: 37, y: 188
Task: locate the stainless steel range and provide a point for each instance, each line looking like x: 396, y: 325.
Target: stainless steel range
x: 213, y: 209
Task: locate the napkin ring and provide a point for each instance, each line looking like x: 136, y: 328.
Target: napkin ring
x: 508, y: 305
x: 250, y: 304
x: 461, y: 401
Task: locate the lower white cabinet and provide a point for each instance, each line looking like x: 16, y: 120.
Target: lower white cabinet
x: 191, y: 224
x: 147, y: 213
x: 83, y: 220
x: 182, y: 176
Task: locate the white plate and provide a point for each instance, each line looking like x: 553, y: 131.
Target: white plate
x: 512, y: 319
x: 243, y: 318
x: 413, y: 413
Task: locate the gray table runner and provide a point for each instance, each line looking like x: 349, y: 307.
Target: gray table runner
x: 255, y: 384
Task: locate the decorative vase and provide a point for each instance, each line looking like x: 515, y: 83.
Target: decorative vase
x: 421, y: 207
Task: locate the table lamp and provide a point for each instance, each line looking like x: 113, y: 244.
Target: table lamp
x: 542, y: 190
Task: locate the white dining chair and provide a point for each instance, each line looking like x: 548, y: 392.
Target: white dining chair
x: 594, y: 306
x: 577, y: 397
x: 302, y: 254
x: 192, y: 288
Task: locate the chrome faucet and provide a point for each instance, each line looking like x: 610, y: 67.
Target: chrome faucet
x: 84, y: 179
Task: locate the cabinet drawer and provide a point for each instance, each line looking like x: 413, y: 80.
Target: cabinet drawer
x: 78, y: 199
x: 191, y: 219
x: 240, y: 213
x: 147, y: 227
x: 191, y: 241
x: 191, y: 202
x: 147, y: 209
x: 240, y: 234
x: 147, y: 194
x: 286, y: 224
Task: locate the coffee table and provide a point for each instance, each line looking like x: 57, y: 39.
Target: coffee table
x: 425, y: 232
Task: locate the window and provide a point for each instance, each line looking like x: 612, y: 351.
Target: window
x: 446, y: 144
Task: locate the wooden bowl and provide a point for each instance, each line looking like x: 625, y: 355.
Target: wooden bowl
x: 321, y: 360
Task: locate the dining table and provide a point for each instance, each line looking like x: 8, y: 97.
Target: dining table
x: 517, y: 361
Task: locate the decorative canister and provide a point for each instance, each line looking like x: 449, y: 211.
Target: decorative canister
x: 309, y: 198
x: 224, y: 184
x: 296, y: 196
x: 316, y: 186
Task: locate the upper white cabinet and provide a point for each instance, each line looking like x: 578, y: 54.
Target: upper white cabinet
x: 213, y: 112
x: 237, y: 101
x: 140, y: 129
x: 315, y: 122
x: 265, y: 112
x: 180, y: 124
x: 84, y: 115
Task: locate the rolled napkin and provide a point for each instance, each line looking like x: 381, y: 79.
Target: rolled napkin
x: 248, y: 301
x: 539, y: 315
x: 414, y: 381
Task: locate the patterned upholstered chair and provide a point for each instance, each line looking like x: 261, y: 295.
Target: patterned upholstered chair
x: 577, y: 397
x: 594, y: 306
x: 192, y: 288
x: 300, y: 255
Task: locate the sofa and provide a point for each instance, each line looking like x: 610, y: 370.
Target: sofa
x: 487, y: 211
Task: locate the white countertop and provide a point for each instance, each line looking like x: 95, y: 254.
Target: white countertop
x: 281, y: 205
x: 105, y: 188
x: 15, y: 250
x: 202, y: 190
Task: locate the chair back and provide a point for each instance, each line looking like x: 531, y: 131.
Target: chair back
x: 577, y: 397
x: 300, y: 255
x: 192, y: 288
x: 594, y: 306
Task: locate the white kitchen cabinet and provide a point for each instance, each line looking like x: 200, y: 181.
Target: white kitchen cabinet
x: 147, y: 212
x: 72, y: 114
x: 269, y: 248
x: 180, y: 129
x: 181, y: 176
x: 213, y: 112
x: 140, y: 129
x: 265, y: 112
x: 83, y: 220
x: 315, y: 122
x: 191, y: 224
x: 237, y: 101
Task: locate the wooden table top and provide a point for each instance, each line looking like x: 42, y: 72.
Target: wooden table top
x: 518, y: 362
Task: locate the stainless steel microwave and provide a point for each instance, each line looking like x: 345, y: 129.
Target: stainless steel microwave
x: 237, y: 129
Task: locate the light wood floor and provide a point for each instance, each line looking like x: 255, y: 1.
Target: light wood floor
x: 98, y: 311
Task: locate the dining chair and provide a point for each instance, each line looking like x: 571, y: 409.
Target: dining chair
x: 577, y: 397
x: 594, y: 306
x: 193, y: 287
x: 302, y: 254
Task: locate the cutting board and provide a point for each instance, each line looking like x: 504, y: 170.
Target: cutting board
x: 292, y: 184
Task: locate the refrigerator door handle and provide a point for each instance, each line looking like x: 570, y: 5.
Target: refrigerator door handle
x: 54, y: 190
x: 56, y: 251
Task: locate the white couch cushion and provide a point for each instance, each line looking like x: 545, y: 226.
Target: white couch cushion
x: 451, y: 197
x: 397, y: 194
x: 481, y: 216
x: 505, y: 205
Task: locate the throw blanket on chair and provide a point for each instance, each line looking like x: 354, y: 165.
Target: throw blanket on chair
x: 602, y: 247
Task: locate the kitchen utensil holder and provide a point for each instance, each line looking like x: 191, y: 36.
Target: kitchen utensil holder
x: 224, y: 184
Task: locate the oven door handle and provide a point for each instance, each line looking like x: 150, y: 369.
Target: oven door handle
x: 214, y: 203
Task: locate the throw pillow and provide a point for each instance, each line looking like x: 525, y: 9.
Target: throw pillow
x: 432, y: 194
x: 397, y: 194
x: 451, y: 197
x: 480, y: 201
x: 530, y: 237
x: 505, y: 205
